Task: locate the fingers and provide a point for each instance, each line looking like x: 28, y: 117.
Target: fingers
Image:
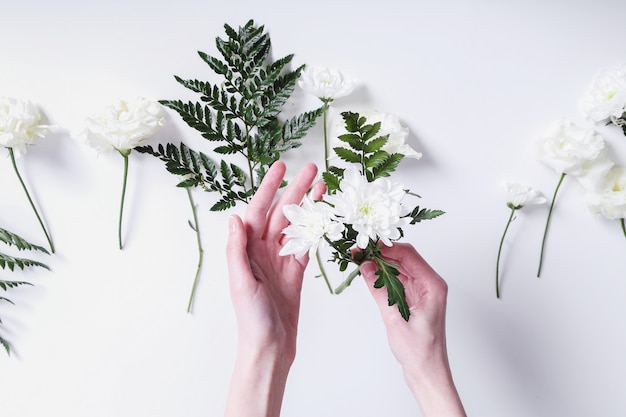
x: 236, y: 253
x: 257, y: 210
x: 294, y: 193
x: 319, y: 188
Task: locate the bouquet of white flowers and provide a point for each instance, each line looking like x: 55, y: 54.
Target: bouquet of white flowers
x: 362, y: 210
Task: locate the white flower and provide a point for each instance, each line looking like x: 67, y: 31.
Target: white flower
x: 325, y: 83
x: 389, y: 125
x: 124, y: 125
x: 606, y: 96
x: 20, y: 123
x: 373, y: 209
x: 520, y: 195
x: 310, y: 222
x: 572, y: 150
x: 609, y: 199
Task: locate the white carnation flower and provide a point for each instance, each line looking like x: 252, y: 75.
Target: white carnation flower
x: 572, y: 150
x: 609, y: 199
x: 124, y: 125
x: 520, y: 195
x: 20, y: 124
x: 373, y: 209
x: 325, y: 83
x: 309, y: 223
x: 606, y: 96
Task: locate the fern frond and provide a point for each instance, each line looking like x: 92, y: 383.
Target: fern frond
x: 6, y: 345
x: 20, y: 243
x: 11, y: 262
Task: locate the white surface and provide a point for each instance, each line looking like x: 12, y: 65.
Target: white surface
x: 106, y: 333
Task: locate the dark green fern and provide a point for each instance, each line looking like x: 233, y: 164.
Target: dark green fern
x: 12, y: 263
x: 239, y: 115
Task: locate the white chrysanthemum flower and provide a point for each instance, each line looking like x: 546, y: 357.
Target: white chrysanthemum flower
x: 325, y: 83
x: 389, y: 125
x: 124, y: 125
x: 520, y: 195
x: 309, y: 223
x: 576, y: 151
x: 606, y: 96
x: 20, y: 124
x: 373, y: 209
x: 609, y: 199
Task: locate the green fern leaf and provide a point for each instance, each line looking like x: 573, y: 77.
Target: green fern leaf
x: 20, y: 243
x: 417, y: 214
x: 347, y: 155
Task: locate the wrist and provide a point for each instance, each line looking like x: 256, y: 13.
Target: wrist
x: 258, y: 383
x: 432, y: 385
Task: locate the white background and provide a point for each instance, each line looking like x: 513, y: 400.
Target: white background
x: 106, y: 332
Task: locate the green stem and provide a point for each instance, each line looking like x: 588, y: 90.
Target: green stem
x: 196, y: 228
x: 30, y: 200
x: 508, y: 223
x: 119, y: 227
x: 322, y: 271
x: 623, y: 226
x: 545, y: 232
x: 325, y: 116
x: 346, y: 283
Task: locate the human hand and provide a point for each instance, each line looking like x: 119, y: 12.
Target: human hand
x: 265, y: 290
x: 419, y: 344
x: 265, y: 287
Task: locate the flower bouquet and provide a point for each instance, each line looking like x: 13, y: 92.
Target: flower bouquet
x: 362, y: 210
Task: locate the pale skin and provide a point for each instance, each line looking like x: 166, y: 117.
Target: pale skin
x: 265, y: 290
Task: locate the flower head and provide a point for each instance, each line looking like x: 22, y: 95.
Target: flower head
x: 606, y: 96
x: 124, y: 125
x: 572, y: 150
x: 309, y: 224
x: 373, y: 209
x: 520, y: 195
x: 20, y: 123
x: 609, y: 199
x: 325, y: 83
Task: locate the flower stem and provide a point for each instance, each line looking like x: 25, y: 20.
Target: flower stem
x: 30, y: 200
x: 346, y: 283
x: 325, y: 116
x: 508, y: 223
x: 196, y: 228
x: 623, y: 225
x: 545, y: 232
x: 322, y: 270
x: 119, y: 227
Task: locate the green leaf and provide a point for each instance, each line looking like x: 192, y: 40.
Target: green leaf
x: 20, y: 243
x: 5, y: 285
x: 7, y: 261
x: 418, y: 214
x: 387, y: 166
x: 331, y: 180
x: 376, y: 144
x: 347, y: 155
x: 388, y: 277
x: 6, y: 345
